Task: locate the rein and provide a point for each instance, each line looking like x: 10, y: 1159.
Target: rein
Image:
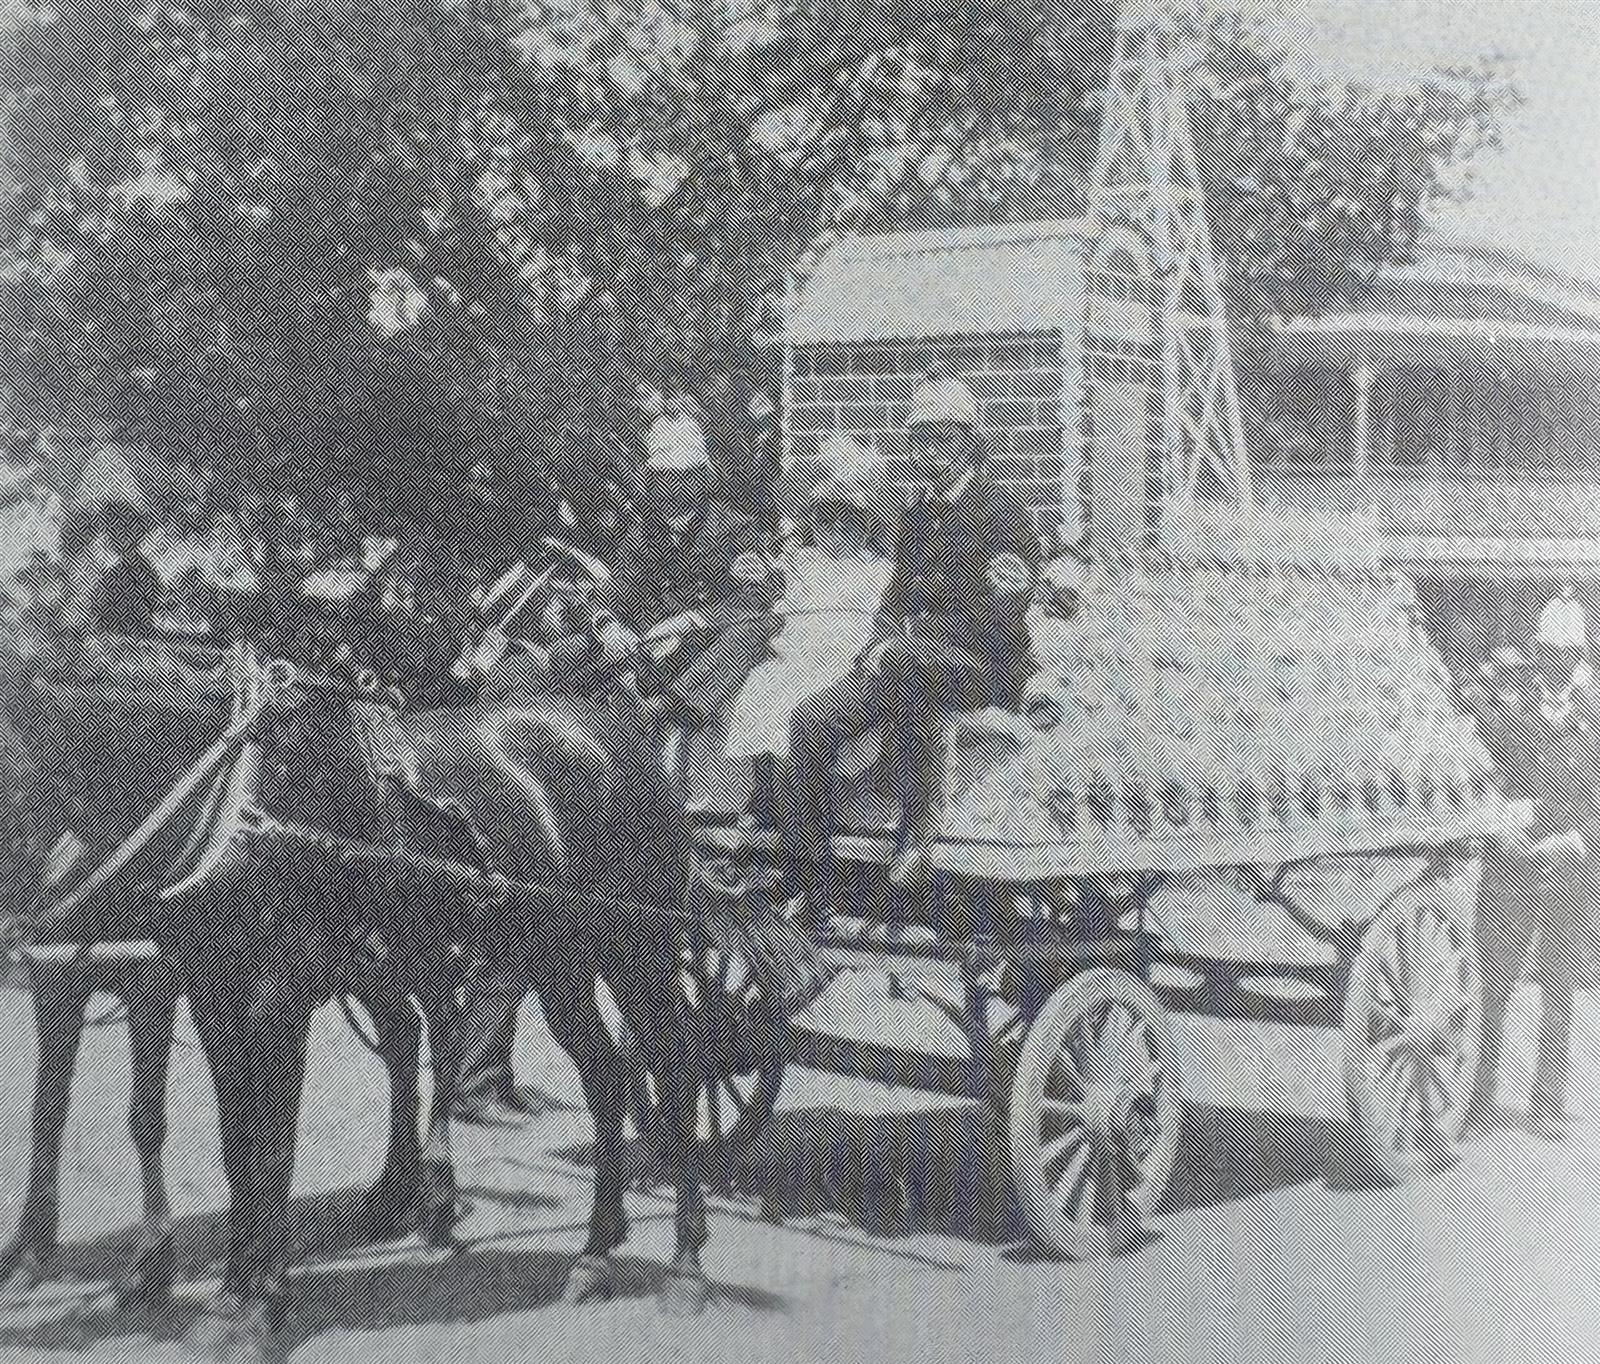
x: 217, y: 792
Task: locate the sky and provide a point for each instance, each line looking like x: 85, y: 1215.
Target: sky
x: 1541, y: 197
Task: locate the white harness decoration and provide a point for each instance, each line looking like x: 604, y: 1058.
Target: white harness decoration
x: 184, y: 839
x: 1558, y: 706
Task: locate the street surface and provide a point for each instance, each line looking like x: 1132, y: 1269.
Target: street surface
x: 1259, y: 1257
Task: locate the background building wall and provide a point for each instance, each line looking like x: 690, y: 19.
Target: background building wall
x: 1026, y: 384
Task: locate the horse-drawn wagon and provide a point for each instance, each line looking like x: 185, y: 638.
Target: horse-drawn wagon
x: 1242, y: 709
x: 1187, y: 734
x: 1225, y: 703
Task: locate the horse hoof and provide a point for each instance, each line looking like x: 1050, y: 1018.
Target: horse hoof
x: 146, y: 1285
x: 389, y: 1211
x: 27, y: 1268
x: 230, y: 1333
x: 527, y: 1101
x: 484, y: 1110
x: 442, y: 1205
x: 254, y: 1343
x: 441, y: 1226
x: 685, y: 1293
x: 589, y: 1278
x: 215, y: 1331
x: 69, y: 1331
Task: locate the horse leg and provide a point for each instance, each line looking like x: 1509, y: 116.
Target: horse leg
x: 390, y: 1206
x: 677, y: 1060
x: 220, y: 1020
x: 60, y: 995
x: 488, y: 1033
x: 278, y: 1028
x: 441, y: 1203
x: 575, y: 1022
x: 152, y: 1000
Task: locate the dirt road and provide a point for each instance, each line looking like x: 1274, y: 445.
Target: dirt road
x: 898, y: 1242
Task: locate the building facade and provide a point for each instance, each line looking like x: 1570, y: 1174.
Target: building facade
x: 1459, y: 408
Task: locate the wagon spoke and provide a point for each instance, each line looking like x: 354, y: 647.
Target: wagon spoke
x: 1388, y: 1017
x: 1072, y: 1189
x: 1063, y: 1108
x: 1071, y: 1061
x: 1127, y: 1165
x: 1389, y: 1046
x: 1395, y: 1080
x: 1013, y: 1026
x: 1392, y: 1062
x: 1113, y: 1036
x: 1385, y: 987
x: 1063, y: 1090
x: 1054, y: 1152
x: 1426, y: 933
x: 1412, y: 1109
x: 1136, y: 1057
x: 1434, y: 1093
x: 1405, y: 952
x: 714, y: 1112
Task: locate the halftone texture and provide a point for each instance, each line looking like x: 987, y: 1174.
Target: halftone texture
x: 1220, y: 715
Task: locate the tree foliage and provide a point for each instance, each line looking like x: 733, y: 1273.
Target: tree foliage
x: 347, y: 248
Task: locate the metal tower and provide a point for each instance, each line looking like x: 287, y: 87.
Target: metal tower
x: 1163, y: 422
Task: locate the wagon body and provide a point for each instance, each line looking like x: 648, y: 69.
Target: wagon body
x: 1277, y: 735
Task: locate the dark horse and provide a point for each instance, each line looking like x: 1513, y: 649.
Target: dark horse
x: 582, y: 852
x: 66, y: 770
x: 564, y: 799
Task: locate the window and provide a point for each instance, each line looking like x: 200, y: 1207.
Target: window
x: 1423, y: 423
x: 1300, y: 421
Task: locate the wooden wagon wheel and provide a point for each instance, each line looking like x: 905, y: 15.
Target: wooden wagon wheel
x: 1095, y: 1114
x: 1411, y: 1032
x: 742, y: 1073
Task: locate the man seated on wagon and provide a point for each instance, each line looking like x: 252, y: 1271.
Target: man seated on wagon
x: 694, y: 564
x: 950, y: 635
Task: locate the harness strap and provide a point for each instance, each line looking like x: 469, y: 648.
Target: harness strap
x: 218, y: 771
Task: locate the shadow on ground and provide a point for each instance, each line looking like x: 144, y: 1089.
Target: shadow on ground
x: 325, y: 1226
x: 940, y: 1170
x: 946, y: 1170
x: 465, y: 1288
x: 481, y: 1282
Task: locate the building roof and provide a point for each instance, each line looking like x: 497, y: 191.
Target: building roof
x: 1027, y: 277
x: 1017, y: 278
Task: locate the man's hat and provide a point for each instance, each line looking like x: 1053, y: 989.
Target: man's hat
x: 676, y: 445
x: 854, y: 476
x: 943, y: 400
x: 844, y: 459
x: 1561, y: 623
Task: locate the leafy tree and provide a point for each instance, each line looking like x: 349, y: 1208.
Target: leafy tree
x: 342, y: 249
x: 1312, y: 189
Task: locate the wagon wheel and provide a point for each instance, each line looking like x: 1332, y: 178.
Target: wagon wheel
x: 1095, y: 1114
x: 1411, y: 1033
x: 742, y: 1069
